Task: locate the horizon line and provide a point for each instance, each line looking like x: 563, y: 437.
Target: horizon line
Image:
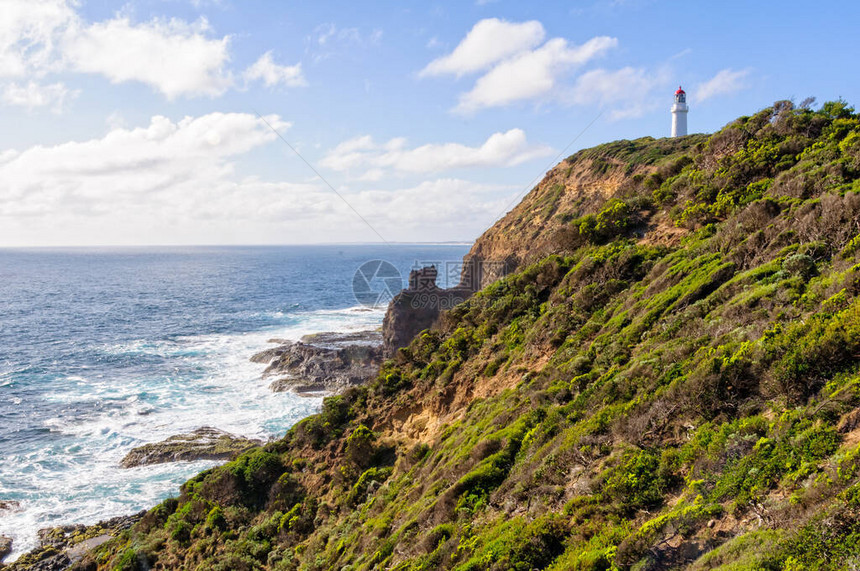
x: 215, y: 245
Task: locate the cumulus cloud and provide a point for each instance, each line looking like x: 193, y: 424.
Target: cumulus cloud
x: 163, y: 162
x: 725, y: 82
x: 531, y: 74
x: 515, y: 62
x: 33, y: 95
x: 174, y: 57
x: 176, y: 181
x: 487, y: 43
x: 272, y: 74
x: 500, y: 149
x: 29, y: 33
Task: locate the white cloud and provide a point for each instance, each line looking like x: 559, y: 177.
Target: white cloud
x: 488, y: 42
x: 175, y: 182
x: 29, y: 33
x: 33, y: 95
x: 627, y: 92
x: 272, y: 74
x: 175, y: 57
x: 172, y: 56
x: 725, y: 82
x: 531, y: 74
x: 163, y: 163
x: 500, y: 149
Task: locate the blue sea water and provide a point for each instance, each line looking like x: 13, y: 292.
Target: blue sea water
x: 102, y: 350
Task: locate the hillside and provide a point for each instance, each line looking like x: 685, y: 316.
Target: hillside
x: 580, y: 184
x: 669, y: 379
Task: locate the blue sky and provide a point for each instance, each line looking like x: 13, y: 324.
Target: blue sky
x: 136, y: 123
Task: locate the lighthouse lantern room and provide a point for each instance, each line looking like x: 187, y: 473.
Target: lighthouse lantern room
x: 679, y: 114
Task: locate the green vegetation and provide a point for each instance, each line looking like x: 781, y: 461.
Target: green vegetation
x: 626, y: 403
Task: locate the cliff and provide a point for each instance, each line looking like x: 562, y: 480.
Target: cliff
x: 577, y: 186
x: 417, y: 308
x: 535, y: 227
x: 675, y: 383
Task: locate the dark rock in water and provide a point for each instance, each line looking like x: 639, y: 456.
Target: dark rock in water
x: 205, y: 443
x: 324, y: 362
x: 61, y: 547
x: 9, y: 506
x: 417, y: 308
x: 5, y: 547
x: 300, y: 387
x: 269, y: 355
x: 333, y: 340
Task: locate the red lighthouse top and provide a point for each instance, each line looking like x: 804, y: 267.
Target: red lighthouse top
x: 679, y: 90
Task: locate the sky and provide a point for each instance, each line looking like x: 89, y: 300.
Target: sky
x: 160, y: 122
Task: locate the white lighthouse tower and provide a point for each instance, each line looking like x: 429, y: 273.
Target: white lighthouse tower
x: 679, y: 114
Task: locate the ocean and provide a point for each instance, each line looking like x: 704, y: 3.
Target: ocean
x: 102, y: 350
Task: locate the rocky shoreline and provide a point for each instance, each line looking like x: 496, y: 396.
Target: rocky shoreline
x: 61, y: 547
x: 321, y: 363
x: 205, y: 443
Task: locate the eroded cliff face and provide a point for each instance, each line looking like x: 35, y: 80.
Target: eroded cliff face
x: 578, y: 185
x: 526, y: 232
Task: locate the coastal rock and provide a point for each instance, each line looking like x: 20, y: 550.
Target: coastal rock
x: 299, y: 387
x: 417, y: 308
x: 9, y: 506
x: 5, y: 547
x: 205, y: 443
x: 61, y: 547
x: 334, y: 340
x: 324, y: 362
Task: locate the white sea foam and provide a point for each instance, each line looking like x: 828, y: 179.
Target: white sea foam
x: 77, y: 479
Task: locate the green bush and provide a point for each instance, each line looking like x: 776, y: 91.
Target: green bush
x: 362, y: 485
x: 799, y: 264
x: 635, y: 483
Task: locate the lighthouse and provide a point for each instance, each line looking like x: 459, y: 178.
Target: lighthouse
x: 679, y: 114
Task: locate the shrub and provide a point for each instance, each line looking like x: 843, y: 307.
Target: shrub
x: 365, y: 482
x: 799, y: 264
x: 635, y: 483
x: 360, y: 446
x: 215, y: 520
x: 519, y: 546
